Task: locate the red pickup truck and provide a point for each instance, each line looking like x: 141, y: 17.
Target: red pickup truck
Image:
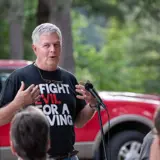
x: 131, y: 118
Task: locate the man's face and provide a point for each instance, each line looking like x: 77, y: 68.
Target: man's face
x: 48, y: 49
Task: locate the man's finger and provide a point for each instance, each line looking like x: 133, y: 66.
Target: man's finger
x: 35, y: 89
x: 29, y: 89
x: 81, y: 91
x: 22, y: 86
x: 36, y: 93
x: 80, y: 97
x: 79, y: 86
x: 84, y: 97
x: 37, y: 98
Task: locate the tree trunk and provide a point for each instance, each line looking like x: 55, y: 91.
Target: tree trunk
x: 42, y: 11
x: 16, y: 12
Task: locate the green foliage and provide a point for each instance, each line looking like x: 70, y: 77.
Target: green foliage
x: 116, y: 42
x: 125, y: 61
x: 108, y: 8
x: 4, y: 39
x: 29, y: 25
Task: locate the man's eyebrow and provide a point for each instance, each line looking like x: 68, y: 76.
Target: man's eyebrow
x: 57, y: 41
x: 44, y: 42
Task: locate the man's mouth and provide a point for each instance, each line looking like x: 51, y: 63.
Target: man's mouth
x: 53, y: 57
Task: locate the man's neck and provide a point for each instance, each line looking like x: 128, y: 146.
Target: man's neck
x: 45, y: 67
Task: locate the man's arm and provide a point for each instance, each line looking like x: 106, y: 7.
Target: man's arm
x: 84, y: 116
x: 22, y: 99
x: 7, y: 112
x: 88, y: 111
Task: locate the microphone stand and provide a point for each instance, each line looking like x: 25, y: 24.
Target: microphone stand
x: 99, y: 104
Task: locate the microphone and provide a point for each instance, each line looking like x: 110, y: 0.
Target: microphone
x: 89, y: 87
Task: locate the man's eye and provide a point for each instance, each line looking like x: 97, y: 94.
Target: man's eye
x: 46, y: 45
x: 57, y: 45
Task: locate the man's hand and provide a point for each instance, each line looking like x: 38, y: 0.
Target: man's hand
x: 88, y: 111
x: 84, y: 94
x: 27, y: 96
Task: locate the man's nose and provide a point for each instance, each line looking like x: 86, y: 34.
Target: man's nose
x: 52, y: 48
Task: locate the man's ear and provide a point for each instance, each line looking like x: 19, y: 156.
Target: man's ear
x: 34, y: 48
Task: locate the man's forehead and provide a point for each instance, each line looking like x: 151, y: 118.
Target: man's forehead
x: 50, y: 34
x: 45, y: 37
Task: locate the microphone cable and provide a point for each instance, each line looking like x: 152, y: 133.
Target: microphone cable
x: 89, y: 87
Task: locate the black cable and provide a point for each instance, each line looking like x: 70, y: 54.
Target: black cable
x: 102, y: 132
x: 89, y: 87
x: 108, y: 137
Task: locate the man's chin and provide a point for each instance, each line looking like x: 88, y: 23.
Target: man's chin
x: 53, y: 63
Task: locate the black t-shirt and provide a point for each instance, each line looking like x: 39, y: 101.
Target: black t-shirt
x: 58, y: 102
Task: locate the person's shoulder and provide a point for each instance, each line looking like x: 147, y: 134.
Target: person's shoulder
x: 21, y: 71
x: 24, y: 69
x: 67, y: 73
x: 149, y: 137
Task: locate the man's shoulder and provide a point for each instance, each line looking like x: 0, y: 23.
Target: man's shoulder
x: 21, y: 71
x: 145, y: 148
x: 149, y: 136
x: 67, y: 73
x: 24, y: 69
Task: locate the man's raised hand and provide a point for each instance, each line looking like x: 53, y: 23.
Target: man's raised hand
x: 27, y: 96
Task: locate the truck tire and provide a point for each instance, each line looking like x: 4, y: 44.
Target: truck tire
x: 126, y: 145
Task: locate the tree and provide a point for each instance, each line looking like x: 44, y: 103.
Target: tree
x: 15, y: 19
x: 42, y: 11
x: 116, y: 42
x: 129, y: 60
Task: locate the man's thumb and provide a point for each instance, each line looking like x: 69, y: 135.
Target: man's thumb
x: 22, y: 86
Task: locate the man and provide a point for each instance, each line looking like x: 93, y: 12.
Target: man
x: 145, y: 148
x: 29, y: 134
x: 52, y: 89
x: 155, y: 147
x: 150, y: 140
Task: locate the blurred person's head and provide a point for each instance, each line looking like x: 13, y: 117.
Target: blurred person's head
x: 29, y: 134
x: 157, y: 121
x: 47, y: 45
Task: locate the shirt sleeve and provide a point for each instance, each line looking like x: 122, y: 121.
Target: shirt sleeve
x: 9, y: 91
x: 145, y: 148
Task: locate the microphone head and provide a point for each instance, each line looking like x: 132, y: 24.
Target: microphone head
x: 88, y: 85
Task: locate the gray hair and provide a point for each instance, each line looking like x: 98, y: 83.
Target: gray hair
x: 45, y: 28
x: 29, y: 134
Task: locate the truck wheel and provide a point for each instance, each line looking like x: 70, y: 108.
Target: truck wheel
x: 126, y: 145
